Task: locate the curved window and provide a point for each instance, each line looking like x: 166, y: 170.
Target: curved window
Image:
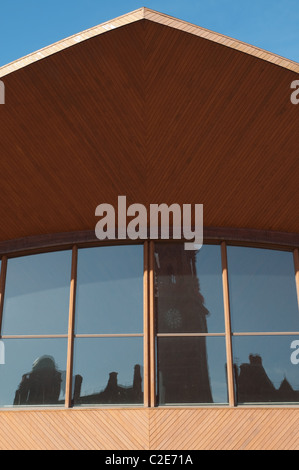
x: 264, y: 313
x: 262, y: 290
x: 109, y: 306
x: 37, y: 294
x: 189, y: 310
x: 150, y: 324
x: 108, y: 370
x: 110, y: 290
x: 34, y: 373
x: 34, y: 328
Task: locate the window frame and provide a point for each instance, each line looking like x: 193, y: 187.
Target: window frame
x: 77, y: 240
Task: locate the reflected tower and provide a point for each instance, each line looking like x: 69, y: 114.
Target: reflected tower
x: 182, y: 361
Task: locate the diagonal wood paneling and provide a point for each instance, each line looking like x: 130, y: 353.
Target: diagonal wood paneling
x: 211, y: 136
x: 155, y: 429
x: 225, y: 429
x: 74, y: 429
x: 154, y: 113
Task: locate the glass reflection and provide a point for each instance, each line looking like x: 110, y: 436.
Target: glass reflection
x: 40, y: 386
x: 33, y: 373
x: 37, y: 294
x: 191, y: 370
x: 262, y: 290
x: 110, y: 290
x: 264, y: 371
x: 189, y: 294
x: 108, y: 371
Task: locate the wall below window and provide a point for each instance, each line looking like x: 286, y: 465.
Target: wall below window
x: 156, y: 429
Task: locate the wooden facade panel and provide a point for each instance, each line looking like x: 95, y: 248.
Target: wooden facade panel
x: 74, y: 429
x: 203, y: 154
x: 155, y: 429
x: 225, y: 429
x: 153, y: 113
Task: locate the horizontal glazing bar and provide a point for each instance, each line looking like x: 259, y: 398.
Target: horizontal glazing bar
x: 189, y: 334
x: 271, y: 333
x: 31, y: 336
x: 108, y: 335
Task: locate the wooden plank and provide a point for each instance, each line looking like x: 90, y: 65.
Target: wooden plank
x: 228, y: 334
x: 70, y: 347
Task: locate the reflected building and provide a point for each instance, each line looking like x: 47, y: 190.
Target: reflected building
x: 42, y: 385
x: 255, y: 386
x: 183, y: 364
x: 113, y: 392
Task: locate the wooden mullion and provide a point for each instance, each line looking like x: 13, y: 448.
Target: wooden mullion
x: 152, y: 325
x: 2, y: 288
x: 70, y: 347
x: 228, y: 332
x: 146, y: 351
x: 296, y: 264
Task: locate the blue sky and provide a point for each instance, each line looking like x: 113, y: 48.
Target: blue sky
x: 29, y: 25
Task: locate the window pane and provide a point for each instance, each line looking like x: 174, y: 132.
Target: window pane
x: 34, y: 372
x: 37, y: 294
x: 264, y: 370
x: 110, y: 290
x: 108, y: 371
x: 191, y: 370
x: 262, y: 290
x: 189, y: 295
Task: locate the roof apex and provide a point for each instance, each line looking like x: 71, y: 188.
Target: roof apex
x: 145, y: 13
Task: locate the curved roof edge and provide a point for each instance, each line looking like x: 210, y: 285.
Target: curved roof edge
x: 151, y: 15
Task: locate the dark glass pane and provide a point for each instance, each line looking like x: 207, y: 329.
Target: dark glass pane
x: 189, y: 295
x: 262, y: 290
x: 191, y: 370
x: 110, y: 290
x: 37, y: 294
x: 108, y: 371
x: 264, y: 371
x: 34, y: 372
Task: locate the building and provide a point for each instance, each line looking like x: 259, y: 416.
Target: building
x: 142, y: 344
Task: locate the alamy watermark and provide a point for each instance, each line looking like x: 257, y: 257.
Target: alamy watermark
x: 2, y: 92
x: 295, y: 354
x: 159, y: 218
x: 295, y: 94
x: 2, y: 353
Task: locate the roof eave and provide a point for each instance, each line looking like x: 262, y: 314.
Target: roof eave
x: 150, y: 15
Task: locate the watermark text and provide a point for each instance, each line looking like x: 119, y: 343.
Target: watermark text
x: 295, y: 94
x: 2, y: 92
x: 160, y: 216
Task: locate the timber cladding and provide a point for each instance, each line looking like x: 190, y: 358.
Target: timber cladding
x: 139, y: 429
x: 156, y: 114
